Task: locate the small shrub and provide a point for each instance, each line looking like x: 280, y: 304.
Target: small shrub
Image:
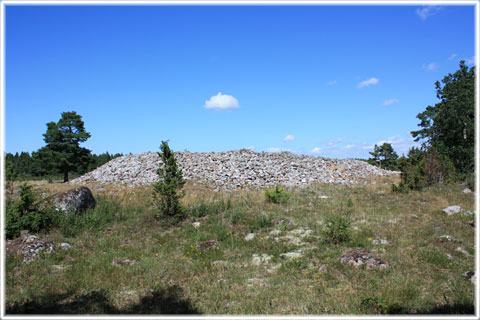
x: 349, y: 208
x: 25, y: 214
x: 401, y: 188
x: 277, y: 195
x: 199, y: 211
x: 167, y: 190
x: 470, y: 181
x: 337, y: 230
x: 237, y: 216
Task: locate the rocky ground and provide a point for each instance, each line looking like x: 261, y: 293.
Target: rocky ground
x: 237, y: 169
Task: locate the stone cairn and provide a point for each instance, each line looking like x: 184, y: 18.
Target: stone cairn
x: 236, y: 169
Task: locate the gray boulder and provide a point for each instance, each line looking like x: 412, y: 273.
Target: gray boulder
x: 74, y: 201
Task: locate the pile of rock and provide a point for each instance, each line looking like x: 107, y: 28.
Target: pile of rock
x: 32, y: 247
x: 237, y: 169
x: 357, y: 257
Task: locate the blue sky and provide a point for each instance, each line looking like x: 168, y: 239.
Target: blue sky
x: 320, y: 80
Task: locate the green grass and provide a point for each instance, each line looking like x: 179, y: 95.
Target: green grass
x: 172, y: 275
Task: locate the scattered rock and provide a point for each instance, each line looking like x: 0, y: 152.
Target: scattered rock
x: 449, y: 256
x: 256, y: 282
x: 34, y: 247
x: 196, y: 224
x: 452, y: 210
x: 302, y: 233
x: 219, y: 263
x: 65, y: 246
x: 445, y: 237
x: 470, y: 275
x: 468, y: 213
x: 274, y: 268
x: 466, y: 191
x: 123, y: 262
x: 289, y: 239
x: 206, y: 245
x: 324, y: 197
x: 357, y: 257
x: 60, y: 267
x: 28, y: 238
x: 374, y: 241
x: 250, y: 236
x: 283, y: 222
x: 322, y: 268
x: 275, y: 232
x: 292, y: 255
x: 459, y: 249
x: 74, y: 201
x: 259, y: 260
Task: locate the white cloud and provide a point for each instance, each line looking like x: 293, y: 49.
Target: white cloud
x: 251, y: 148
x: 371, y: 81
x: 221, y: 102
x: 316, y: 150
x: 390, y: 101
x: 470, y: 60
x: 392, y: 140
x: 330, y: 83
x: 333, y: 143
x: 368, y: 147
x: 452, y: 56
x: 289, y: 137
x: 427, y: 11
x: 430, y: 67
x: 350, y: 146
x: 277, y: 150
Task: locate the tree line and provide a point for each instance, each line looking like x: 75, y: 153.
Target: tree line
x: 446, y: 137
x: 61, y: 155
x: 26, y: 165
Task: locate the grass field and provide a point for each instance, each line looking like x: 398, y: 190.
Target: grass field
x: 248, y: 256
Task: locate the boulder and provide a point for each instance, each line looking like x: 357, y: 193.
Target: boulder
x: 466, y: 191
x: 74, y: 201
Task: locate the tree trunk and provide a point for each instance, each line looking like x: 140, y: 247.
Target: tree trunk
x: 65, y: 176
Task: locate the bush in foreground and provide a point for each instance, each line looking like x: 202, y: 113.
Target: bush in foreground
x: 25, y: 213
x: 167, y: 190
x: 337, y: 230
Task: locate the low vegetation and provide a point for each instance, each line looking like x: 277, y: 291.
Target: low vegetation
x: 277, y: 195
x: 237, y: 253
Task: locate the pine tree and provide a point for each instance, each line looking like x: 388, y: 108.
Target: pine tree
x: 449, y: 126
x: 63, y: 149
x: 167, y: 190
x: 384, y: 156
